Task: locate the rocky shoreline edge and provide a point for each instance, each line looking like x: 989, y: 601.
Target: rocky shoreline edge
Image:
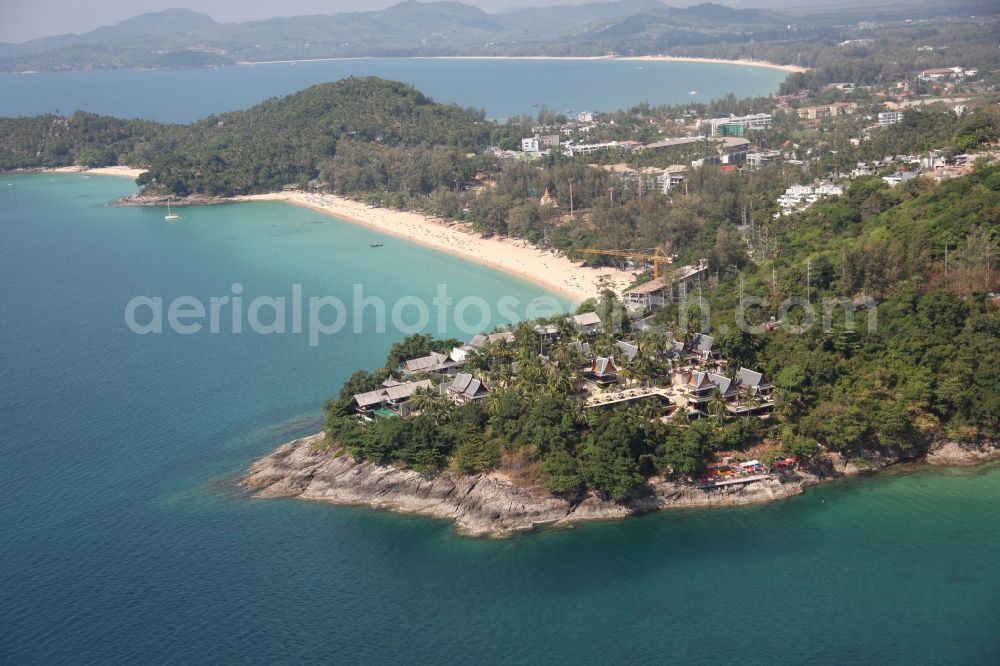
x: 491, y: 505
x: 139, y: 199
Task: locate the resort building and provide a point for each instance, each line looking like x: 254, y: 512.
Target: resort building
x: 591, y: 148
x: 894, y: 179
x: 799, y: 197
x: 759, y: 159
x: 389, y: 400
x: 480, y: 339
x: 754, y: 381
x: 587, y: 322
x: 702, y: 348
x: 465, y: 388
x: 433, y: 362
x: 699, y: 388
x: 670, y: 289
x: 739, y: 125
x: 628, y: 351
x: 538, y: 143
x: 886, y: 118
x: 941, y: 73
x: 827, y: 110
x: 604, y: 371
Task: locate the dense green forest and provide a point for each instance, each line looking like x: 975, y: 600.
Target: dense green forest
x: 360, y: 133
x: 928, y: 369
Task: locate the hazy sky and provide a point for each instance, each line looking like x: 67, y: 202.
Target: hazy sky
x: 21, y: 20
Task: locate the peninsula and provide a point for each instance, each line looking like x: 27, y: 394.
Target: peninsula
x: 774, y: 334
x: 565, y: 421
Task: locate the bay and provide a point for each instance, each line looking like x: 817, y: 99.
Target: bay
x: 503, y: 88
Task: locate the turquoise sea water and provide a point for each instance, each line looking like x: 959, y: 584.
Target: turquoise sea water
x: 123, y: 537
x: 503, y: 88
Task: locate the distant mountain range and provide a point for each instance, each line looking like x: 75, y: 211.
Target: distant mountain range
x: 181, y: 38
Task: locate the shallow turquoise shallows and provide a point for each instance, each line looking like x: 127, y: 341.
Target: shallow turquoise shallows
x: 124, y: 538
x: 503, y: 88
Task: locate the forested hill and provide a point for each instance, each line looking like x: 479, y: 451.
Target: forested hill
x: 339, y: 128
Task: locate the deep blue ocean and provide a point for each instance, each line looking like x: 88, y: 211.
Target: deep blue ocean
x: 124, y: 537
x: 503, y: 88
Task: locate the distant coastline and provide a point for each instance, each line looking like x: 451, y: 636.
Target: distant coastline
x: 648, y: 58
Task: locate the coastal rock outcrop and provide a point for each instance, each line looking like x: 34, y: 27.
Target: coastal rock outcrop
x: 142, y: 198
x: 487, y: 504
x: 490, y: 504
x: 956, y: 454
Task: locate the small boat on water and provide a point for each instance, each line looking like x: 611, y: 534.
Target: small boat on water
x: 374, y: 244
x: 693, y: 92
x: 170, y: 215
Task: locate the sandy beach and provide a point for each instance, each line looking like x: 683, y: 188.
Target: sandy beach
x: 121, y: 171
x: 519, y: 258
x: 719, y: 61
x: 556, y: 273
x: 649, y: 58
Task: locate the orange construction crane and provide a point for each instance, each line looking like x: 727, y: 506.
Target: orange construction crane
x: 657, y: 258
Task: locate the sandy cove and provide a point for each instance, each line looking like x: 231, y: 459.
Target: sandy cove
x: 519, y: 258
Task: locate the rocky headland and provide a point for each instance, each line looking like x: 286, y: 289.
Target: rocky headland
x: 491, y: 504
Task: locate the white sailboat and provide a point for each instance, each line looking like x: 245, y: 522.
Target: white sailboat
x: 169, y: 215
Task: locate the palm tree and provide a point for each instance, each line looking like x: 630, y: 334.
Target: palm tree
x: 645, y: 368
x: 566, y: 330
x: 748, y: 398
x: 784, y: 405
x: 422, y: 400
x: 684, y: 335
x: 559, y: 379
x: 716, y: 404
x: 492, y: 403
x: 627, y: 372
x: 680, y: 417
x: 530, y: 375
x: 604, y: 345
x: 647, y: 409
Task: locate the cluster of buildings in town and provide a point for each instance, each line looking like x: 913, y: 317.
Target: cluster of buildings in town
x: 934, y: 164
x: 799, y: 197
x: 726, y: 141
x: 697, y: 381
x: 947, y: 73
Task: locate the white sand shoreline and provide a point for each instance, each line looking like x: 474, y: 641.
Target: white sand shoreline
x: 518, y: 258
x: 647, y: 58
x: 120, y: 171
